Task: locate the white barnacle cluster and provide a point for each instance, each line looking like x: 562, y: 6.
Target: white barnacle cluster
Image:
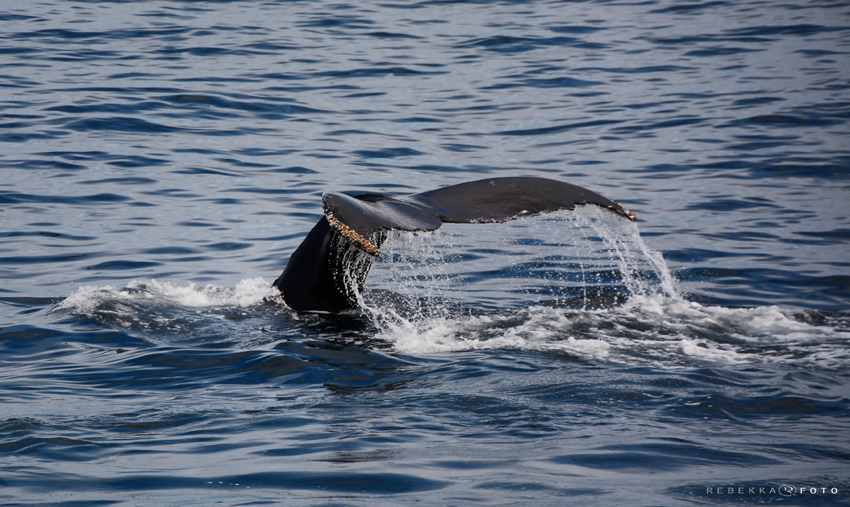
x: 629, y: 213
x: 354, y: 238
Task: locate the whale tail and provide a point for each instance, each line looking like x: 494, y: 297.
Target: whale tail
x: 327, y: 271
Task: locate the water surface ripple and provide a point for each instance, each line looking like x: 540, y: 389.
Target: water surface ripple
x: 160, y: 160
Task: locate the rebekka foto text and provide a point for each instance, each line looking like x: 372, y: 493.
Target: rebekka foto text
x: 783, y: 490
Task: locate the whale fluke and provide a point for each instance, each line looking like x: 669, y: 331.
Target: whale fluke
x: 328, y: 270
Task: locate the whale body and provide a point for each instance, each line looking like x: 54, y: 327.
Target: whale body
x: 328, y: 270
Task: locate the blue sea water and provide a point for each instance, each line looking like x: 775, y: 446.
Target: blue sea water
x: 161, y: 160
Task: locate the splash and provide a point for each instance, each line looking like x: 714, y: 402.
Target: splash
x: 583, y: 258
x: 186, y: 314
x: 576, y: 284
x: 92, y: 300
x: 644, y: 271
x: 590, y: 257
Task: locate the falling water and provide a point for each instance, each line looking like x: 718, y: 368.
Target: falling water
x: 432, y: 291
x: 559, y: 259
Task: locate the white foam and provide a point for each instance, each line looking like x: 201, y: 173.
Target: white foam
x: 87, y: 299
x: 533, y: 329
x: 710, y: 352
x: 656, y: 331
x: 655, y: 326
x: 90, y: 299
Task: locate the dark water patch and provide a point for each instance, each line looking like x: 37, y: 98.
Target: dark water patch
x: 779, y: 286
x: 364, y: 94
x: 7, y: 16
x: 295, y: 170
x: 205, y: 171
x: 15, y: 125
x: 228, y: 246
x: 651, y: 69
x: 689, y: 8
x: 838, y: 454
x: 757, y: 101
x: 419, y: 119
x: 662, y: 170
x: 223, y: 201
x: 337, y: 21
x: 170, y: 250
x: 271, y: 48
x: 17, y: 51
x: 124, y: 265
x: 133, y: 75
x: 44, y: 164
x: 719, y: 204
x: 73, y: 450
x: 16, y: 198
x: 87, y: 55
x: 62, y: 35
x: 170, y: 53
x: 369, y: 483
x: 278, y: 191
x: 577, y: 29
x: 291, y: 363
x: 121, y: 124
x: 532, y: 487
x: 32, y: 341
x: 267, y: 107
x: 24, y: 340
x: 20, y: 137
x: 46, y: 234
x: 167, y: 368
x: 558, y: 82
x: 720, y: 51
x: 128, y: 108
x: 30, y: 303
x: 837, y: 235
x: 196, y: 223
x: 376, y: 72
x: 133, y: 181
x: 509, y: 44
x: 789, y: 167
x: 661, y: 456
x: 558, y: 129
x: 349, y: 483
x: 262, y: 152
x: 241, y: 163
x: 392, y: 35
x: 123, y: 161
x: 752, y: 34
x: 753, y: 407
x: 783, y: 30
x: 663, y: 124
x: 388, y: 153
x: 15, y: 82
x: 757, y: 145
x: 785, y: 120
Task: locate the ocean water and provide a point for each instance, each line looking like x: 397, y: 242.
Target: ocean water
x: 160, y: 161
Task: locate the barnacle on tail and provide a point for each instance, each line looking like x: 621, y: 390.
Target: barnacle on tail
x: 355, y: 239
